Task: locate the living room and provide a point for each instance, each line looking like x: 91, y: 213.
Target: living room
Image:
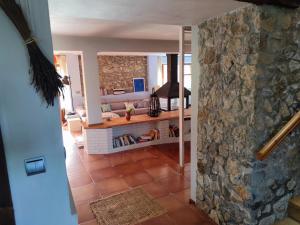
x: 89, y: 164
x: 124, y: 78
x: 127, y: 81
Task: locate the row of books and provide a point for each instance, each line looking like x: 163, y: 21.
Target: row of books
x: 153, y: 134
x: 173, y: 131
x: 124, y: 140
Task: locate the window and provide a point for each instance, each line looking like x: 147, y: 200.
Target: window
x: 188, y: 76
x: 187, y: 71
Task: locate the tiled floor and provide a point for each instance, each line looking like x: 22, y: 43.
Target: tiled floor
x: 98, y: 176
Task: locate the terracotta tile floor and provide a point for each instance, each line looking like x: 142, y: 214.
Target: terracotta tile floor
x: 97, y: 176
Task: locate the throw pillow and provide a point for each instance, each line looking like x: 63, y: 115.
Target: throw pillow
x: 105, y: 107
x: 129, y: 105
x: 117, y: 106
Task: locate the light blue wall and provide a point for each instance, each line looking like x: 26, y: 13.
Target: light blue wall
x: 30, y: 129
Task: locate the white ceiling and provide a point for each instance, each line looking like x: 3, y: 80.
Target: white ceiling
x: 113, y: 29
x: 134, y: 19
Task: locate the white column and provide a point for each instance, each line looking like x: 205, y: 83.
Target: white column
x: 74, y: 74
x: 181, y: 97
x: 91, y: 87
x: 194, y: 121
x: 152, y: 72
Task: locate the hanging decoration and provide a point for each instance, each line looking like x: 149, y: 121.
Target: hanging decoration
x: 45, y: 79
x: 154, y: 105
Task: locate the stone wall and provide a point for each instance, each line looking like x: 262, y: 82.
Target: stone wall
x: 249, y: 88
x: 118, y: 71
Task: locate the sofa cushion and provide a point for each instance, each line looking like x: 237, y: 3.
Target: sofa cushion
x: 105, y: 107
x: 142, y: 104
x: 135, y: 103
x: 110, y: 115
x: 117, y: 106
x: 120, y: 112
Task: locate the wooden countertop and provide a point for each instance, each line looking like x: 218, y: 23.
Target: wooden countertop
x: 117, y: 122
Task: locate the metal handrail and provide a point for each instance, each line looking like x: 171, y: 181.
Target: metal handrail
x: 279, y: 137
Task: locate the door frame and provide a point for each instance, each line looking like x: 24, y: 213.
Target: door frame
x: 6, y: 205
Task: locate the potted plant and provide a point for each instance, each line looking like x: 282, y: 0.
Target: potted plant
x: 128, y: 114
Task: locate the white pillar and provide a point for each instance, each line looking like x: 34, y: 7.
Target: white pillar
x: 91, y: 87
x: 152, y: 72
x: 74, y: 74
x: 194, y: 120
x: 181, y: 97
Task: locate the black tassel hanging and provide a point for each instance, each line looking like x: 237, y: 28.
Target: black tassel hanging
x: 45, y: 79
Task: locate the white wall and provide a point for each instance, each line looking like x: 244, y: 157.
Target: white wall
x: 31, y: 129
x: 194, y: 121
x: 91, y: 84
x: 153, y: 72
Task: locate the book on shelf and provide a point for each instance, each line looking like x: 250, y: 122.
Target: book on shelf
x: 123, y: 140
x: 132, y: 140
x: 153, y: 134
x: 146, y: 137
x: 173, y: 131
x: 126, y: 140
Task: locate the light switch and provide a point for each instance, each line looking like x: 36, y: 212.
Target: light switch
x: 35, y: 166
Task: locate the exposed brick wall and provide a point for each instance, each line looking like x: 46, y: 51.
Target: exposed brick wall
x: 118, y: 71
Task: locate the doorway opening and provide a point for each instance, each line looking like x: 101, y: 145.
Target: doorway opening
x: 6, y: 205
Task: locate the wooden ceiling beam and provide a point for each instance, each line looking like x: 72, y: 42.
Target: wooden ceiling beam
x: 284, y: 3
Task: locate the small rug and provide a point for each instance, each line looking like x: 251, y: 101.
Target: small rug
x: 128, y: 208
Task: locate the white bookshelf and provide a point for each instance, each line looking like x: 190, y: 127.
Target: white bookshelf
x: 100, y: 141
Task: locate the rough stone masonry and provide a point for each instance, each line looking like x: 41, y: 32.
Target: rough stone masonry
x: 117, y: 72
x: 249, y: 88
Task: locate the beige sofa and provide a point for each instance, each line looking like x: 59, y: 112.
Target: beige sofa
x: 140, y: 107
x: 140, y: 101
